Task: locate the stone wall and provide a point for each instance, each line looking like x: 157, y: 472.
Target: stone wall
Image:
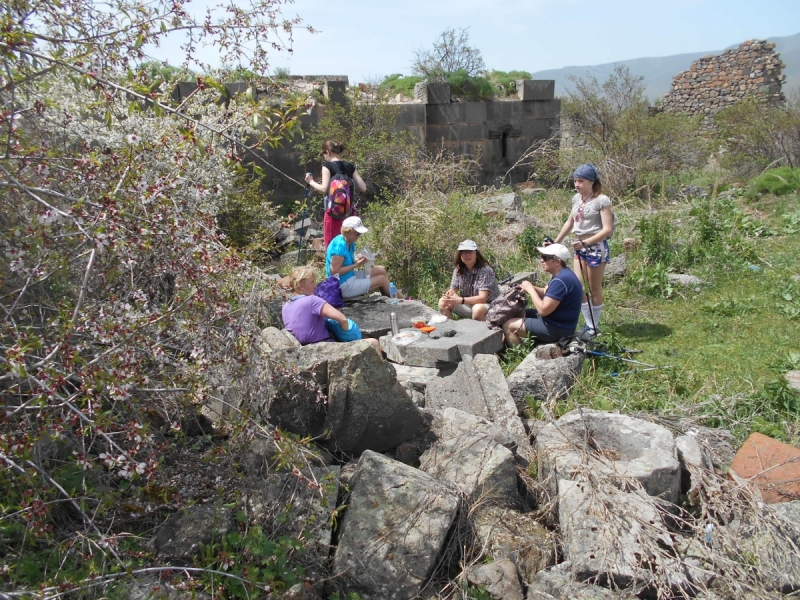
x: 750, y: 72
x: 494, y: 132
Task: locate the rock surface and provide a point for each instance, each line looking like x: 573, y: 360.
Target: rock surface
x: 396, y: 523
x: 447, y: 345
x: 543, y: 379
x: 366, y: 407
x: 774, y: 467
x: 499, y: 578
x: 372, y: 314
x: 555, y: 585
x: 450, y: 423
x: 179, y: 538
x: 612, y: 445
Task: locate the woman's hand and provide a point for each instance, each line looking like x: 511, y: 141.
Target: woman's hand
x: 360, y: 261
x: 578, y: 245
x: 309, y: 178
x: 449, y: 301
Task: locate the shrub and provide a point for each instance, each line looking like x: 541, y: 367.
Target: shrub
x: 755, y: 136
x: 611, y: 126
x: 400, y: 84
x: 471, y: 88
x: 505, y: 79
x: 450, y: 52
x: 780, y: 181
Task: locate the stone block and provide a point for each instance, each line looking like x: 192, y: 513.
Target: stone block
x: 610, y: 444
x: 543, y: 380
x: 335, y: 91
x: 449, y: 423
x: 432, y: 92
x: 410, y: 115
x: 536, y: 89
x: 458, y: 132
x: 448, y: 344
x: 306, y: 224
x: 474, y: 112
x: 774, y: 467
x: 542, y: 109
x: 793, y: 378
x: 480, y: 467
x: 557, y: 584
x: 415, y: 377
x: 617, y: 268
x: 302, y: 257
x: 180, y: 537
x: 499, y: 578
x: 393, y: 532
x: 517, y: 536
x: 446, y: 114
x: 372, y: 315
x: 606, y: 530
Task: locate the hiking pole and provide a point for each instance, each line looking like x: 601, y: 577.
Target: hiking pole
x: 585, y: 277
x: 303, y: 224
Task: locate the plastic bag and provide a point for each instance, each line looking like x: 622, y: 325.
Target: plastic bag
x: 352, y: 334
x: 406, y: 337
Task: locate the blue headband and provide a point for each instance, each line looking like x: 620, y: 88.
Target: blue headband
x: 587, y: 172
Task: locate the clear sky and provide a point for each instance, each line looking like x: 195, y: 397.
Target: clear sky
x: 368, y: 39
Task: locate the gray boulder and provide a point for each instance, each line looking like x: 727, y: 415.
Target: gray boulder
x: 543, y: 379
x: 372, y: 313
x: 450, y: 423
x: 273, y: 338
x: 480, y: 467
x: 685, y: 280
x: 301, y: 257
x: 478, y: 387
x: 616, y: 268
x: 500, y: 204
x: 179, y: 538
x: 394, y: 529
x: 556, y: 585
x: 499, y: 578
x: 607, y: 533
x: 610, y: 444
x: 506, y: 533
x: 695, y: 461
x: 366, y: 407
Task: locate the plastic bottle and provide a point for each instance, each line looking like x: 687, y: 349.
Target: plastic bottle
x: 393, y: 292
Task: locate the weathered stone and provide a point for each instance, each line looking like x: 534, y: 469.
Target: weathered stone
x: 366, y: 406
x: 152, y: 587
x: 309, y: 223
x: 372, y: 314
x: 393, y: 531
x: 179, y: 538
x: 543, y: 380
x: 692, y: 456
x: 536, y: 89
x: 610, y: 444
x: 483, y: 469
x: 448, y: 344
x: 416, y: 377
x: 273, y: 338
x: 432, y: 92
x: 300, y: 591
x: 793, y: 379
x: 616, y: 268
x: 772, y: 466
x: 528, y: 191
x: 499, y: 578
x: 500, y: 204
x: 606, y: 530
x: 555, y: 585
x: 506, y: 533
x: 285, y: 504
x: 685, y: 279
x: 260, y: 457
x: 450, y: 423
x: 477, y: 387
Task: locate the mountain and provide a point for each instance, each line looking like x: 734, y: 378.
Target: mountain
x: 659, y: 71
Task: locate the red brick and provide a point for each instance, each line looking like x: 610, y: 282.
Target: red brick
x: 771, y: 465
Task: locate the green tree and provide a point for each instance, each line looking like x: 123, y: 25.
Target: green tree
x: 450, y: 52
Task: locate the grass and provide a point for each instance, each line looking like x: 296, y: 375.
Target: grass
x: 727, y: 343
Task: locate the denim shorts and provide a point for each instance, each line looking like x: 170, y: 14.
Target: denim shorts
x: 595, y: 254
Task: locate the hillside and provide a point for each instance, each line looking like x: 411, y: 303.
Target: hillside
x: 659, y: 71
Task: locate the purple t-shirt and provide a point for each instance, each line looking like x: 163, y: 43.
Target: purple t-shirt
x: 301, y: 316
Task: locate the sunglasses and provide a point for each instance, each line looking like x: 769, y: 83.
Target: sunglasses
x: 546, y: 257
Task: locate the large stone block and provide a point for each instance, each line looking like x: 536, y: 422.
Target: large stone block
x: 536, y: 89
x: 336, y: 91
x: 432, y: 92
x: 372, y: 314
x: 394, y: 529
x: 542, y: 109
x: 505, y: 533
x: 448, y: 344
x: 366, y: 406
x: 446, y: 114
x: 543, y: 380
x: 410, y: 115
x: 774, y: 467
x: 181, y: 536
x: 450, y: 423
x: 610, y: 444
x: 480, y: 467
x: 606, y: 531
x: 499, y: 578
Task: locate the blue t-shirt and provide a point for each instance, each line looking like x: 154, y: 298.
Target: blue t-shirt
x: 340, y: 247
x: 567, y: 289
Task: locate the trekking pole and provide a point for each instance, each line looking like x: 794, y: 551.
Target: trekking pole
x: 585, y: 276
x: 303, y: 224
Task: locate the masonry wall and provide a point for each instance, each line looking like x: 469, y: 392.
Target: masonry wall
x: 752, y: 71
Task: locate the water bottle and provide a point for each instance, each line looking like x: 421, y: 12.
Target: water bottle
x: 393, y: 292
x: 393, y: 323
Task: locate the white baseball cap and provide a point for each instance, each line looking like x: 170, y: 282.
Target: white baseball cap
x: 467, y: 245
x: 355, y: 223
x: 559, y: 250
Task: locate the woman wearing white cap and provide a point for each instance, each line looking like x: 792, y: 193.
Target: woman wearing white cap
x: 341, y: 260
x: 556, y: 307
x: 473, y: 286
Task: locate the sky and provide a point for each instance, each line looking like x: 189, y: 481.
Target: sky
x: 369, y: 39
